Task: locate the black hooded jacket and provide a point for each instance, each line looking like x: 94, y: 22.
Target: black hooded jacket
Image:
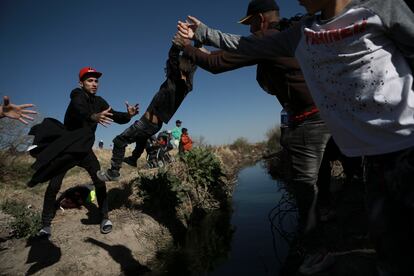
x: 82, y: 105
x: 60, y: 147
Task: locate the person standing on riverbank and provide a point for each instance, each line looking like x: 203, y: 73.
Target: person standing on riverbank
x: 357, y: 58
x: 186, y: 144
x: 176, y: 133
x: 85, y: 111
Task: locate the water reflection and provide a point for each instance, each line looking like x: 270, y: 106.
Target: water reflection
x: 207, y: 244
x: 250, y: 239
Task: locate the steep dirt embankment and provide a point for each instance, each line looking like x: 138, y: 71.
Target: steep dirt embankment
x: 77, y: 247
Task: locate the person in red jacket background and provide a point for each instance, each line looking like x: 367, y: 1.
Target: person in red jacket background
x: 185, y: 141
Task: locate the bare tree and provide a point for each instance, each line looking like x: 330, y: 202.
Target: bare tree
x: 14, y: 136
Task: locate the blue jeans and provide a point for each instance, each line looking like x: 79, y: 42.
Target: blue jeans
x: 306, y: 145
x: 137, y: 133
x: 390, y: 200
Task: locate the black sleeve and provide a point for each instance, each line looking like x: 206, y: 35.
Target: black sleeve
x: 173, y: 70
x: 218, y: 61
x: 118, y: 117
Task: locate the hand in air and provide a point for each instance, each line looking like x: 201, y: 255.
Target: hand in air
x: 180, y: 41
x: 104, y: 117
x: 16, y: 112
x: 132, y: 109
x: 186, y: 29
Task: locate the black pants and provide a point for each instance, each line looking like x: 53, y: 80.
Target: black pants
x: 390, y: 198
x: 138, y: 133
x: 91, y: 164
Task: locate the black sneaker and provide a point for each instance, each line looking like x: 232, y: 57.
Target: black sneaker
x: 130, y: 161
x: 43, y: 235
x: 108, y: 175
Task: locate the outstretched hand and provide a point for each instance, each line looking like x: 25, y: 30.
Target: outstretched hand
x: 16, y: 112
x: 104, y: 117
x: 132, y: 109
x: 186, y: 29
x: 180, y: 41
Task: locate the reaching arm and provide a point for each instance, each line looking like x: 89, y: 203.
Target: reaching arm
x: 117, y: 116
x: 218, y: 61
x: 281, y: 44
x: 16, y: 112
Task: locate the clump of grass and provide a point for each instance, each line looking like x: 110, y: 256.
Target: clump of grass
x: 241, y: 145
x: 15, y: 169
x: 26, y: 222
x: 205, y: 173
x: 163, y: 190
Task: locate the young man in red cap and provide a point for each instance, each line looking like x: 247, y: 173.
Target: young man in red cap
x: 85, y: 111
x: 179, y: 72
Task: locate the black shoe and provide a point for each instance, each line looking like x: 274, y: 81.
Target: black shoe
x: 130, y: 161
x: 108, y: 175
x: 43, y: 235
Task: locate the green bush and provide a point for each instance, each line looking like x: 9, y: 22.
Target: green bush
x: 26, y: 222
x: 203, y: 166
x: 204, y: 170
x: 162, y: 190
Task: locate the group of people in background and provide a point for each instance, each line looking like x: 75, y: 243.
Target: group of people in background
x: 344, y: 75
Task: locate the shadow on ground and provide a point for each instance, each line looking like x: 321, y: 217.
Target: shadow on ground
x: 122, y: 255
x: 43, y: 253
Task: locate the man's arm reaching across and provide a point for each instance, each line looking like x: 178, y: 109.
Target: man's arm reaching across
x: 275, y: 45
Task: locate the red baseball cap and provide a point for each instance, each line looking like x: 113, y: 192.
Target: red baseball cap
x: 88, y: 71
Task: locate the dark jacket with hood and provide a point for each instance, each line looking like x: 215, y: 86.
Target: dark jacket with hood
x: 281, y: 77
x: 174, y: 89
x: 61, y: 146
x: 82, y: 105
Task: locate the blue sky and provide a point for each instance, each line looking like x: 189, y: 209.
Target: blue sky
x: 44, y: 43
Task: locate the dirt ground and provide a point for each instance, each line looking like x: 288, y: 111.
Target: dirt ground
x: 77, y: 247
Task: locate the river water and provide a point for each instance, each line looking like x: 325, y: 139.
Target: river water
x: 247, y: 240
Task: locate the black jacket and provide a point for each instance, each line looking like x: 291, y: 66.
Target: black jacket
x: 82, y: 105
x: 61, y: 147
x: 173, y: 90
